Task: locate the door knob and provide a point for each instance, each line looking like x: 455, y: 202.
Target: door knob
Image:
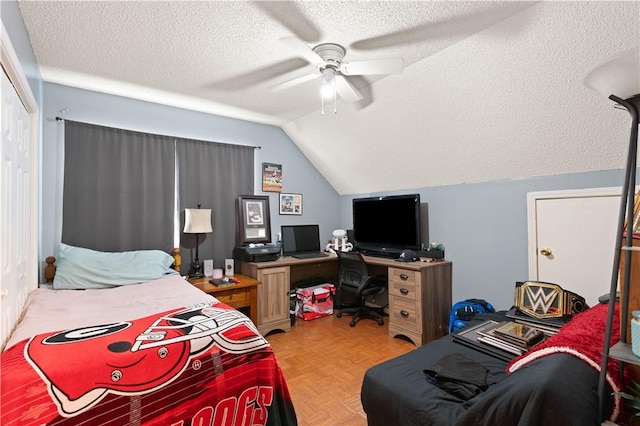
x: 545, y: 251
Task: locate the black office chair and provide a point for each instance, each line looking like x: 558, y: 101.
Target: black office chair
x: 353, y: 278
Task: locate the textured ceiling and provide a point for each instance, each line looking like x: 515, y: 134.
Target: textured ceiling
x: 490, y: 90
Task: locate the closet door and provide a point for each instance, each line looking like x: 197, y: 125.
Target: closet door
x: 17, y: 207
x: 572, y: 237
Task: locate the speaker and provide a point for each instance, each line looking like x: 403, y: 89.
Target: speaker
x: 424, y: 225
x: 228, y: 267
x: 208, y: 267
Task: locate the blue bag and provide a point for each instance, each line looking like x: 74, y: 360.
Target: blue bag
x: 464, y: 311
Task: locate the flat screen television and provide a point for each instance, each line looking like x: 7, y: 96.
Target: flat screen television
x: 387, y: 225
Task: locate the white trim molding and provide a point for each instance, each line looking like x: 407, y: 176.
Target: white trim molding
x: 12, y: 67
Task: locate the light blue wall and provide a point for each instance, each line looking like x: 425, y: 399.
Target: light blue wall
x: 320, y: 200
x: 483, y: 227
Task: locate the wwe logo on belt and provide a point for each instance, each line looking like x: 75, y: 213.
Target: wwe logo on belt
x: 539, y: 300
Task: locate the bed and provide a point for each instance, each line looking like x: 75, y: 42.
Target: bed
x: 553, y: 384
x: 159, y: 352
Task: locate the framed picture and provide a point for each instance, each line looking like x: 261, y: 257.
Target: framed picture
x: 254, y: 222
x: 271, y: 177
x: 291, y: 204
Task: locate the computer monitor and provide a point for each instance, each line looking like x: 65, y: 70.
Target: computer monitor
x: 300, y: 239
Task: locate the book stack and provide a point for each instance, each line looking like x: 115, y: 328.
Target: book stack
x: 503, y: 340
x: 511, y: 336
x: 549, y: 326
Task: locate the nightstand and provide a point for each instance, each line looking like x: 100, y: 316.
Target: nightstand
x: 243, y: 294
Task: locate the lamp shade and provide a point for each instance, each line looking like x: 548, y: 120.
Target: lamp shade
x: 197, y: 221
x: 618, y: 75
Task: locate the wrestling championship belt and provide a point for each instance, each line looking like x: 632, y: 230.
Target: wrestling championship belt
x: 545, y: 300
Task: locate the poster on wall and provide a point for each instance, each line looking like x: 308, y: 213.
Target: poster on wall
x: 271, y: 177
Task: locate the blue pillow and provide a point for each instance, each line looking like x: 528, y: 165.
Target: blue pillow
x: 81, y: 268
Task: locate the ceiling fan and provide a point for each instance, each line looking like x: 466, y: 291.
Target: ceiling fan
x: 333, y: 72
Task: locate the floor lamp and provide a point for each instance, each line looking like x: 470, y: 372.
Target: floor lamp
x: 197, y: 221
x: 618, y: 78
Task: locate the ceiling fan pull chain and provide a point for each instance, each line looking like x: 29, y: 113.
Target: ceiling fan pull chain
x: 322, y: 100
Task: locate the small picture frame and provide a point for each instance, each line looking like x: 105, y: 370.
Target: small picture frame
x: 291, y: 204
x: 254, y: 222
x: 635, y: 230
x: 271, y: 177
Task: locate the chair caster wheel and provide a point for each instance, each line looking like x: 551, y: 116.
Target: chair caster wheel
x: 380, y: 322
x: 339, y: 314
x: 352, y: 324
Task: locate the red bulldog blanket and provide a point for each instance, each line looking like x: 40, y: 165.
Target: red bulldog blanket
x: 200, y: 365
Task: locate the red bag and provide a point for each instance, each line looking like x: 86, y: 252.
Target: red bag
x: 315, y: 302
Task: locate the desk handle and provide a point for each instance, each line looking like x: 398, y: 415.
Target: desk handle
x: 404, y: 277
x: 404, y: 313
x: 404, y: 291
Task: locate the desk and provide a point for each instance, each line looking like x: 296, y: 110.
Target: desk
x: 276, y: 277
x: 419, y: 292
x: 240, y: 295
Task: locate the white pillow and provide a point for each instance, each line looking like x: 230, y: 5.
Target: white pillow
x: 81, y: 268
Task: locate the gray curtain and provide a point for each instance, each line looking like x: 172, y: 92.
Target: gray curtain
x: 212, y: 175
x: 118, y: 189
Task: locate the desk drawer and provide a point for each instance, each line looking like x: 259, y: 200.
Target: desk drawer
x: 405, y: 283
x: 402, y: 275
x: 404, y: 289
x: 405, y: 313
x: 234, y: 297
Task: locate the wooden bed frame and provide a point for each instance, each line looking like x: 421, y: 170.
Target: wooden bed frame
x: 50, y: 269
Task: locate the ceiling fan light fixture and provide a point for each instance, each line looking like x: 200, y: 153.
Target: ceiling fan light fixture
x: 327, y: 91
x: 328, y: 87
x: 328, y: 58
x: 328, y: 83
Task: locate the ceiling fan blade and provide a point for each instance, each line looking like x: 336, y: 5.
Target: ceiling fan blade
x: 346, y: 90
x: 294, y: 82
x: 291, y: 16
x: 484, y: 15
x: 373, y: 67
x: 302, y: 49
x: 261, y: 75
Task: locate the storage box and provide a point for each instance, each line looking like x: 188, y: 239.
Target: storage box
x: 315, y: 302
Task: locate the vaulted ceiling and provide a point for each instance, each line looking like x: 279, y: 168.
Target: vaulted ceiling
x: 489, y: 90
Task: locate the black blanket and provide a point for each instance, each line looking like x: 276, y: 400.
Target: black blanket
x: 557, y: 390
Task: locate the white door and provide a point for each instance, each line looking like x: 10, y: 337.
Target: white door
x: 572, y: 238
x: 18, y: 189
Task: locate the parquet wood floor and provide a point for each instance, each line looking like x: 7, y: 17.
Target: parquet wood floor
x: 324, y: 361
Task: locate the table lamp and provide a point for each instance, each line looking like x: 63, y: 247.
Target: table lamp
x: 197, y: 221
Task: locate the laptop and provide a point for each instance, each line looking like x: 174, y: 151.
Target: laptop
x: 301, y: 241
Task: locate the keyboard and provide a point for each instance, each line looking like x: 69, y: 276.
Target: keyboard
x: 309, y: 255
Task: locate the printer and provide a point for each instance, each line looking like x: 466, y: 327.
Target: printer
x: 256, y: 253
